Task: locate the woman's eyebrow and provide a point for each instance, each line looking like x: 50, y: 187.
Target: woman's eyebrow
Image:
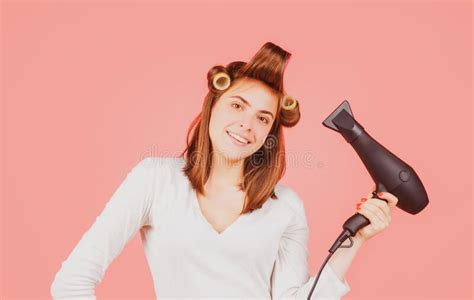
x: 248, y: 104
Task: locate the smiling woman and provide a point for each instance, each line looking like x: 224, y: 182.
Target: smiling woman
x: 214, y: 222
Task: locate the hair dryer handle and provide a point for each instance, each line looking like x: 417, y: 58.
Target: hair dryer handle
x: 358, y: 221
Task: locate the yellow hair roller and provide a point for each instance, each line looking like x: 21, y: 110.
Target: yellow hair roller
x: 288, y: 102
x: 221, y: 81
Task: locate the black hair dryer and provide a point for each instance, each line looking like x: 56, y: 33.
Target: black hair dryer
x: 390, y: 173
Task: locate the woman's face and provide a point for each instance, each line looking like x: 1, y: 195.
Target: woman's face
x: 247, y: 110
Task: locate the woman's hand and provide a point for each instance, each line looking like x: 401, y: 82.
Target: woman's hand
x: 377, y: 211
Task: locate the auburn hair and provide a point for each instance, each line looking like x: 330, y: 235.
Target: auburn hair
x: 264, y: 168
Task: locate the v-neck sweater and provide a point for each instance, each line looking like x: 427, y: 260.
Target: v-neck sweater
x: 261, y: 255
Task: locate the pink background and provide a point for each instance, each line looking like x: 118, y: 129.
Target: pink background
x: 89, y: 89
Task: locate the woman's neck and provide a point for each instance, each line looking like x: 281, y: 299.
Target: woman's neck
x: 224, y: 175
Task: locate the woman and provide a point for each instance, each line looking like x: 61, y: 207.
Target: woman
x: 214, y: 221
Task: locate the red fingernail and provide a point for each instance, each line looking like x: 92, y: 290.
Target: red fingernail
x: 379, y: 194
x: 358, y: 205
x: 363, y: 199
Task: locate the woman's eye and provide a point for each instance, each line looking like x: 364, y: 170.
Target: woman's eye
x: 264, y: 120
x: 233, y: 104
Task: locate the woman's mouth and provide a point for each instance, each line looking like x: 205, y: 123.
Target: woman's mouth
x: 237, y: 140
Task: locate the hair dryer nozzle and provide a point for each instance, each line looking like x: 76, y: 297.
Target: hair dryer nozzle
x: 342, y: 120
x: 328, y: 122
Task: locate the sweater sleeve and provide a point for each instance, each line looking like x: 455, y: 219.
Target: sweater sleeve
x: 124, y: 214
x: 290, y: 278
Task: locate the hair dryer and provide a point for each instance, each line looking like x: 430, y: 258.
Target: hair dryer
x: 390, y: 174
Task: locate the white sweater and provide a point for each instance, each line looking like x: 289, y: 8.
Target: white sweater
x: 261, y: 255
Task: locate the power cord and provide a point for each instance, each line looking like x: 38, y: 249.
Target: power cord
x: 346, y: 234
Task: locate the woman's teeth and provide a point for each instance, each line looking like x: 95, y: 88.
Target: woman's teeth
x: 238, y: 138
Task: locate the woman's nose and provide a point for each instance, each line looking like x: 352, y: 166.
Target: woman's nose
x: 246, y: 123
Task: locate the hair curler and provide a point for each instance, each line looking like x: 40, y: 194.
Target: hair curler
x: 390, y: 174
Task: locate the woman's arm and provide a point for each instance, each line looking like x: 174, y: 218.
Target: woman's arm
x: 124, y: 214
x: 290, y: 277
x: 342, y: 258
